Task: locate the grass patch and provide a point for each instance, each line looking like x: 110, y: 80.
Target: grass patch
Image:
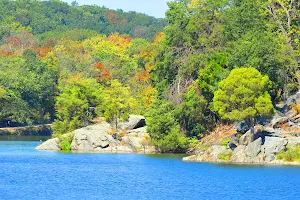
x: 225, y: 156
x: 224, y: 142
x: 291, y: 154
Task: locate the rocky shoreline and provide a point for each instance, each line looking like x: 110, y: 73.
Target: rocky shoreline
x: 101, y: 138
x: 261, y: 146
x: 258, y: 147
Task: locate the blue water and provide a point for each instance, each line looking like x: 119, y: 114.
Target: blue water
x: 29, y: 174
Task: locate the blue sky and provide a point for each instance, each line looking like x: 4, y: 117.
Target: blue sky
x: 156, y: 8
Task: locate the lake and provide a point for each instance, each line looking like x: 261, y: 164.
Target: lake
x: 29, y: 174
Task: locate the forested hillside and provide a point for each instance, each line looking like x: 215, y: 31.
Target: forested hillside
x: 216, y: 61
x: 56, y: 16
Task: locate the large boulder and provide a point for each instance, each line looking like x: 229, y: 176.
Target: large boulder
x: 49, y: 145
x: 210, y: 155
x: 246, y: 154
x: 134, y: 138
x: 92, y: 137
x: 134, y: 122
x: 238, y: 155
x: 254, y: 148
x: 246, y: 139
x: 272, y: 146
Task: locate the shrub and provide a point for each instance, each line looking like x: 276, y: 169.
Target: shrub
x: 165, y: 130
x: 225, y: 156
x: 65, y: 141
x: 224, y: 142
x: 292, y: 153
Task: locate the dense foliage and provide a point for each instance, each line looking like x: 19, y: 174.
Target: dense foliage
x: 243, y: 95
x: 215, y: 60
x: 55, y: 16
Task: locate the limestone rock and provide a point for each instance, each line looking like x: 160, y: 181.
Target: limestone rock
x: 234, y: 142
x: 294, y: 99
x: 254, y: 148
x: 133, y: 122
x: 49, y: 145
x: 247, y: 138
x: 135, y: 137
x: 272, y: 146
x: 238, y: 155
x: 92, y: 137
x: 192, y: 158
x: 242, y: 127
x: 269, y: 131
x: 210, y: 155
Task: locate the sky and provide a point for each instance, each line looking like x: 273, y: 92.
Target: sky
x: 156, y: 8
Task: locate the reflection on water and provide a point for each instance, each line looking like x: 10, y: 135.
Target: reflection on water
x: 24, y: 138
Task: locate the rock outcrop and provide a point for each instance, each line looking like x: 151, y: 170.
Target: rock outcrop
x: 92, y: 138
x: 263, y: 143
x: 134, y: 122
x: 101, y: 138
x: 210, y: 155
x: 49, y: 145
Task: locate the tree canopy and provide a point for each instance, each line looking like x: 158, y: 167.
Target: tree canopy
x: 243, y: 95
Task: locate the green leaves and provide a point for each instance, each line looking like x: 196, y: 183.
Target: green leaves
x: 29, y: 90
x: 243, y: 95
x: 164, y: 130
x: 76, y: 104
x: 118, y: 103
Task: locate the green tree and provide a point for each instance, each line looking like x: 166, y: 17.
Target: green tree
x: 29, y: 88
x: 164, y: 129
x: 286, y: 15
x: 192, y: 114
x: 118, y: 103
x: 76, y: 104
x: 243, y: 95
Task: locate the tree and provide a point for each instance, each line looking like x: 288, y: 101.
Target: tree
x: 118, y: 103
x: 243, y: 95
x: 192, y: 114
x: 286, y: 15
x: 195, y: 32
x: 164, y: 129
x: 76, y: 104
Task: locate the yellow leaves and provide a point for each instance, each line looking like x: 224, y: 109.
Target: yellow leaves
x: 122, y: 41
x: 51, y: 60
x: 148, y: 96
x: 194, y: 3
x: 75, y: 78
x: 158, y: 38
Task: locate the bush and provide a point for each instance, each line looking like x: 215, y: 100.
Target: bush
x: 173, y: 142
x: 224, y: 142
x: 65, y: 141
x: 291, y: 154
x: 225, y: 156
x: 165, y: 130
